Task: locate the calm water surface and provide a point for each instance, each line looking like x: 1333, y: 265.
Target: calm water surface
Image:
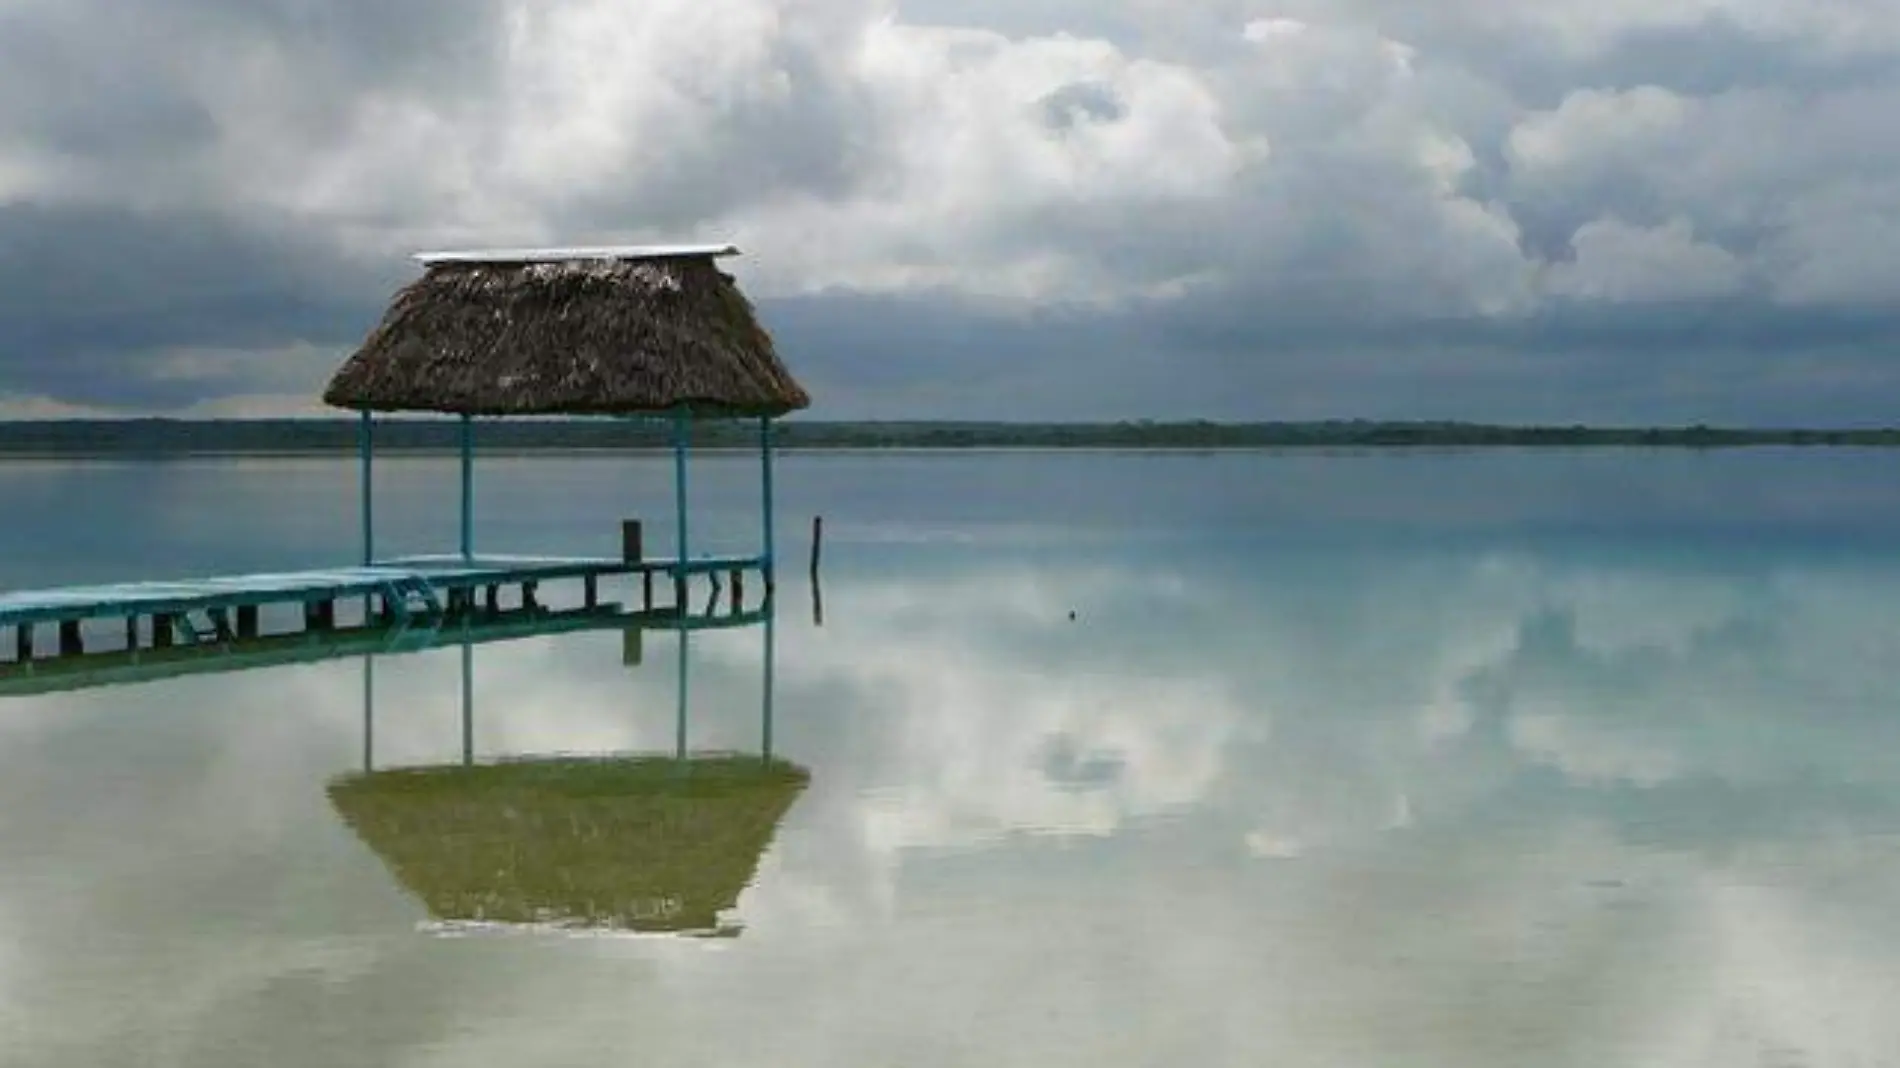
x: 1398, y: 759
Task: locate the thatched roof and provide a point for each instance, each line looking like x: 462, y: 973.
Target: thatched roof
x: 569, y: 332
x: 638, y: 844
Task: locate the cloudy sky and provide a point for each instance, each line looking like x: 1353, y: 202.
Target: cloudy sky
x: 1590, y: 210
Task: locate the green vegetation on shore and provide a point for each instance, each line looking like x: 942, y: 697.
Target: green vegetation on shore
x: 164, y: 437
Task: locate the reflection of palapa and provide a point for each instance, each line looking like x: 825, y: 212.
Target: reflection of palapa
x: 641, y: 844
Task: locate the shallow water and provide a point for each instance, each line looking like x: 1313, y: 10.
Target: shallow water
x: 1401, y: 759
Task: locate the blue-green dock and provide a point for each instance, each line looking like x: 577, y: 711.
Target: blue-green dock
x: 415, y: 591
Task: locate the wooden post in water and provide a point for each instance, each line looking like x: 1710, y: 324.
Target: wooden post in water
x: 633, y: 551
x: 632, y: 541
x: 738, y: 590
x: 320, y: 615
x: 817, y: 543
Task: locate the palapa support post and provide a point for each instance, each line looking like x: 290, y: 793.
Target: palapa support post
x: 71, y: 641
x: 131, y: 633
x: 492, y: 596
x: 680, y: 428
x: 738, y: 590
x: 162, y: 631
x: 632, y: 646
x: 247, y: 621
x: 766, y: 567
x: 23, y: 642
x: 468, y: 487
x: 590, y: 591
x: 365, y: 447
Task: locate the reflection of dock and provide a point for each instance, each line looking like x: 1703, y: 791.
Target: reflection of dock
x: 372, y: 638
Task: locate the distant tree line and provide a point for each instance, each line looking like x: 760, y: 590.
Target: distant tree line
x: 164, y: 437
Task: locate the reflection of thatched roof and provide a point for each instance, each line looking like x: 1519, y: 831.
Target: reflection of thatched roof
x: 595, y: 332
x: 642, y: 844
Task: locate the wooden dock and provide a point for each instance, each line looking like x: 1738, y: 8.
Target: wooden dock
x: 405, y: 592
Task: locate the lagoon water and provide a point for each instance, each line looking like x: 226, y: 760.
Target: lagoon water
x: 1481, y: 758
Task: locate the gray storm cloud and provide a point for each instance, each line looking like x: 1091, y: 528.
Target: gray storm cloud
x: 1610, y: 211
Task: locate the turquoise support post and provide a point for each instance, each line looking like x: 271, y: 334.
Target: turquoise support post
x: 765, y: 493
x: 365, y: 446
x: 679, y: 504
x: 468, y: 487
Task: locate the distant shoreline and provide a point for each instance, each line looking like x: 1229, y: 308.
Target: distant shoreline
x: 317, y: 438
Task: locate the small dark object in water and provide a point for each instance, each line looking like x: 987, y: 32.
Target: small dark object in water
x: 1071, y: 615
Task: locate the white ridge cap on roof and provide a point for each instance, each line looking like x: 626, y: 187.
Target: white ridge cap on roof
x: 551, y: 255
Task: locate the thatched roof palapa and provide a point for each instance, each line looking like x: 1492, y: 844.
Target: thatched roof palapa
x: 610, y: 331
x: 634, y: 844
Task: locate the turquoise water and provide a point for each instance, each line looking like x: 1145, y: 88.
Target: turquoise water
x: 1497, y: 758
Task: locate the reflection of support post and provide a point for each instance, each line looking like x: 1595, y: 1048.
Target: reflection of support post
x: 817, y: 603
x: 369, y: 714
x: 679, y: 725
x: 817, y: 543
x: 765, y: 714
x: 468, y: 700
